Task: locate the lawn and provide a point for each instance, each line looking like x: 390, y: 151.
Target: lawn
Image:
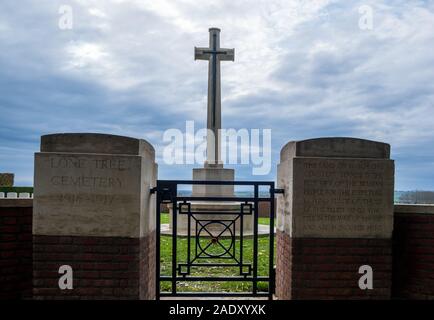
x: 208, y: 286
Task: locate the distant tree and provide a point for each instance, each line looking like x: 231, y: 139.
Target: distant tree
x: 417, y: 197
x: 6, y: 179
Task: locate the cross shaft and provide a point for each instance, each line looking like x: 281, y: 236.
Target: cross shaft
x: 214, y: 54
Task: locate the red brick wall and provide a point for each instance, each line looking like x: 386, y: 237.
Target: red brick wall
x: 15, y: 251
x: 108, y: 268
x: 283, y: 266
x: 309, y: 268
x: 103, y: 267
x: 147, y: 266
x: 413, y: 256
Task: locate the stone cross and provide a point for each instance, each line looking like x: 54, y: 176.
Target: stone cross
x: 214, y: 54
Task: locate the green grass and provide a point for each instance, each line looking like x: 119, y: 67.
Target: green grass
x: 208, y: 286
x: 265, y: 221
x: 164, y: 218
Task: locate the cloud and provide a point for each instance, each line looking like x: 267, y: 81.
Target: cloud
x: 302, y: 68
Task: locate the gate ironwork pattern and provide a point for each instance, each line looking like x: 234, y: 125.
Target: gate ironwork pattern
x: 215, y: 238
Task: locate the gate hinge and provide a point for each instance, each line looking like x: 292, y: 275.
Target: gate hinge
x: 153, y: 190
x: 281, y: 191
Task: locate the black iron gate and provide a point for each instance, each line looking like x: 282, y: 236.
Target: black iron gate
x: 214, y: 239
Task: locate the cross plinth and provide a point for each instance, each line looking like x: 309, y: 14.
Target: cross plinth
x: 214, y: 54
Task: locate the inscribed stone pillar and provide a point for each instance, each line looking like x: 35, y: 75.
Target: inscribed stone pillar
x: 93, y: 212
x: 335, y: 216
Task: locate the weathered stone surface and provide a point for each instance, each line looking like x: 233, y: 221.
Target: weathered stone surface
x: 336, y: 197
x: 335, y: 148
x: 93, y: 194
x: 214, y: 91
x: 216, y: 174
x: 95, y: 143
x: 336, y: 214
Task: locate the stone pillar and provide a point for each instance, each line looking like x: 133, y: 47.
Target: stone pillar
x: 336, y: 215
x: 93, y: 211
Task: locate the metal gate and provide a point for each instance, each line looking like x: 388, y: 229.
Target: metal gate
x: 214, y: 240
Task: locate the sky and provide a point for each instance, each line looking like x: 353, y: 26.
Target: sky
x: 304, y: 69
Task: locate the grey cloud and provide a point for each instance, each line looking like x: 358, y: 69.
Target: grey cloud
x: 304, y: 70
